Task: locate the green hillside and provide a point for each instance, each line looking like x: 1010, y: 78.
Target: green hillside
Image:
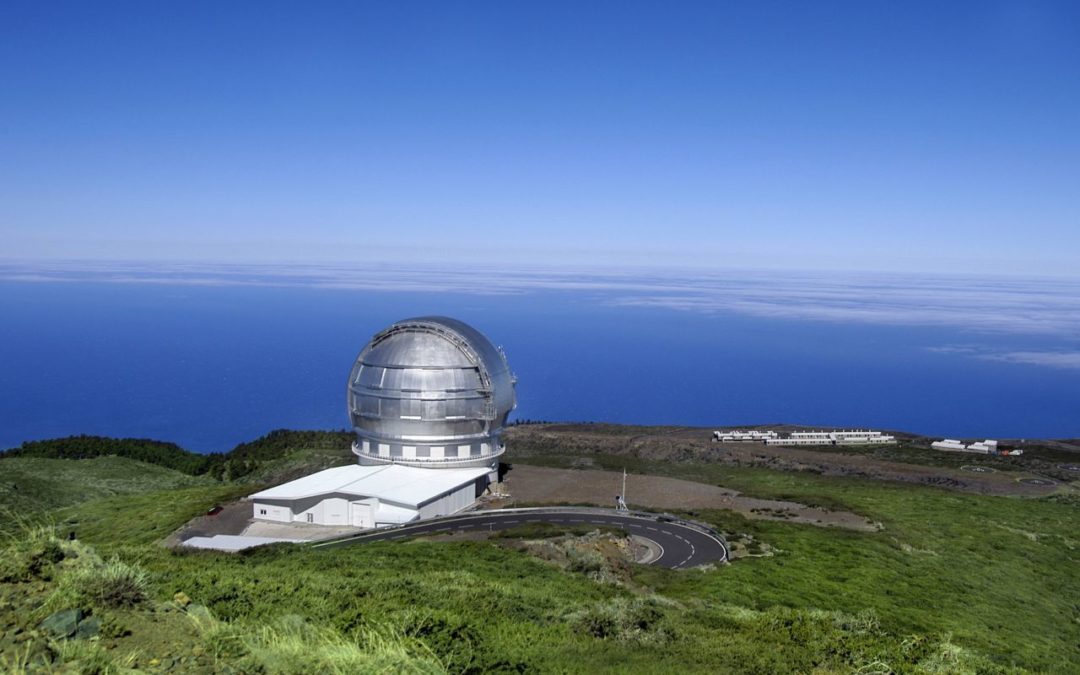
x: 954, y: 583
x: 464, y: 607
x: 278, y: 455
x: 34, y: 484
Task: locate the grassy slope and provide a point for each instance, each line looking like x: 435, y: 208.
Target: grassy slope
x: 480, y: 607
x: 35, y: 484
x: 298, y: 462
x: 994, y: 572
x: 998, y: 573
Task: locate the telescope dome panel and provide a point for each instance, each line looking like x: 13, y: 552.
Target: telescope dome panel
x: 430, y: 391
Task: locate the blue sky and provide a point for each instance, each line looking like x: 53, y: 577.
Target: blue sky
x: 896, y: 136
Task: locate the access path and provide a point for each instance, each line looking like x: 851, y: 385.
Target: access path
x: 682, y: 544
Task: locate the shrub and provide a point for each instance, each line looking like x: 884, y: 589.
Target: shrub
x: 293, y: 646
x: 110, y: 584
x: 448, y: 635
x: 624, y: 619
x: 89, y: 658
x: 30, y: 552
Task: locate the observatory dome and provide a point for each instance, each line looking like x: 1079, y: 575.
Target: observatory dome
x: 430, y: 391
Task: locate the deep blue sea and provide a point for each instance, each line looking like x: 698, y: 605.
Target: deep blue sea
x: 208, y: 365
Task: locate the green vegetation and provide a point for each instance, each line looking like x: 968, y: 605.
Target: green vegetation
x: 292, y: 644
x: 550, y: 531
x: 168, y: 455
x: 457, y: 607
x: 258, y: 458
x: 32, y: 484
x: 284, y: 454
x: 995, y: 573
x: 1039, y: 459
x: 954, y: 583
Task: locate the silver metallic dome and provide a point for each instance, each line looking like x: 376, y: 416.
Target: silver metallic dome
x: 430, y: 391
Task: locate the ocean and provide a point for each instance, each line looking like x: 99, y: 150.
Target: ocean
x: 210, y: 357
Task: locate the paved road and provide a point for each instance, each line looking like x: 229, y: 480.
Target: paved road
x: 683, y: 545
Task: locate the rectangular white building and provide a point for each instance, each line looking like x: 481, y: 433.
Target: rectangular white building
x: 987, y: 447
x: 371, y: 496
x: 740, y: 436
x: 856, y: 437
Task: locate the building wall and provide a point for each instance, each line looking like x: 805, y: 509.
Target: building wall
x: 451, y: 502
x: 274, y: 511
x: 339, y: 509
x: 328, y: 511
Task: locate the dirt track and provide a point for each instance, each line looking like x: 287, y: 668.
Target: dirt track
x: 541, y: 485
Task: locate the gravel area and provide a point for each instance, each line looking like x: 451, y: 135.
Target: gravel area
x: 306, y: 531
x: 236, y: 519
x: 543, y: 485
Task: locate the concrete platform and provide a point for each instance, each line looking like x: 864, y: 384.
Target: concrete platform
x: 297, y: 531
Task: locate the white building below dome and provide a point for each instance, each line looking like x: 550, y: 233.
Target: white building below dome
x: 370, y: 496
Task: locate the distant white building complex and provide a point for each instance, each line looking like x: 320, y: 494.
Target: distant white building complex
x: 428, y: 399
x: 855, y: 437
x: 987, y: 447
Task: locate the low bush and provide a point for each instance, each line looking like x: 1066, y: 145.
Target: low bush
x: 88, y: 658
x: 31, y: 552
x: 111, y: 584
x: 639, y: 620
x: 294, y: 646
x: 90, y: 582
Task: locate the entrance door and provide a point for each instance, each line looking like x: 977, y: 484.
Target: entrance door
x: 361, y: 515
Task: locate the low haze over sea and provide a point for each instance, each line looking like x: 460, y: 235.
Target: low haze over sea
x: 209, y: 356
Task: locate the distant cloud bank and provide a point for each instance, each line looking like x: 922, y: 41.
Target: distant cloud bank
x: 1049, y: 307
x: 1048, y: 358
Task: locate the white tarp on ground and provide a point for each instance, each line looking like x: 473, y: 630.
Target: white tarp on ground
x: 405, y: 485
x: 234, y: 542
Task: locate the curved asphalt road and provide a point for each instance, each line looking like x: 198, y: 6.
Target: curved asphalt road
x: 682, y: 544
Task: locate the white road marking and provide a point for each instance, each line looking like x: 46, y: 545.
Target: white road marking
x: 616, y: 520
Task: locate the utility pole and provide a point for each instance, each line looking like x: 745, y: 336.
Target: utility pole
x: 620, y: 499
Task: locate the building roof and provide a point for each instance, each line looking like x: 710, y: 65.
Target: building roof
x: 394, y: 483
